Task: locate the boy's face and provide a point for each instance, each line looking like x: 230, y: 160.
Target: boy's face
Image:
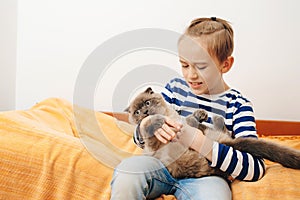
x: 201, y: 72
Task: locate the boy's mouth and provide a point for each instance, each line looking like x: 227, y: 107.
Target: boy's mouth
x: 195, y: 85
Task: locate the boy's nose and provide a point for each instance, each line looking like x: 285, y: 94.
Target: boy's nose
x: 193, y: 73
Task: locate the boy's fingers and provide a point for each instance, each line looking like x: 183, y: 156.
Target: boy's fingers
x: 173, y: 123
x: 167, y: 132
x: 160, y: 135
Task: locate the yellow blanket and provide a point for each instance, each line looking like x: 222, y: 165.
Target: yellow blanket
x: 43, y: 157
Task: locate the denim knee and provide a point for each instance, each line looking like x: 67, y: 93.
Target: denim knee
x: 211, y: 187
x: 137, y: 176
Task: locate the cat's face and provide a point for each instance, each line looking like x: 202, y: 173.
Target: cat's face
x: 145, y: 104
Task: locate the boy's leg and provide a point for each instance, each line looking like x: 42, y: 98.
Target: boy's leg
x: 211, y: 187
x: 139, y: 177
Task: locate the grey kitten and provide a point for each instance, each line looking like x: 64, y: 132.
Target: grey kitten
x: 184, y: 163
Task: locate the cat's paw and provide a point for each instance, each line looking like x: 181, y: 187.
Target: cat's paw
x: 200, y: 115
x: 153, y: 123
x: 218, y: 122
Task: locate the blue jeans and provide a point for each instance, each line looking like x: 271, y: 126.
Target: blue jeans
x: 142, y: 177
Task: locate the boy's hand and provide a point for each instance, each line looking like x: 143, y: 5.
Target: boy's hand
x: 167, y: 131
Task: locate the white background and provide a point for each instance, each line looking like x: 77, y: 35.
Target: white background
x: 47, y: 43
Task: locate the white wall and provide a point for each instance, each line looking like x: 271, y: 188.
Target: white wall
x: 56, y: 37
x: 8, y: 49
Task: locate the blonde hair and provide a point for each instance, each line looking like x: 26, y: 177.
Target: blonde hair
x: 217, y: 35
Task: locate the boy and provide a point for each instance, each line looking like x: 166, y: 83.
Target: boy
x: 205, y: 54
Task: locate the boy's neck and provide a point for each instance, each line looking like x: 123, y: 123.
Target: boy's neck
x: 218, y: 90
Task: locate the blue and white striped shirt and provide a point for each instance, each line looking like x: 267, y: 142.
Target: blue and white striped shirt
x: 239, y: 119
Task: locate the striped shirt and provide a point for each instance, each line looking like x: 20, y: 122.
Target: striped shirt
x: 239, y: 119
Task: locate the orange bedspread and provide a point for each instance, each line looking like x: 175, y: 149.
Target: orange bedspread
x: 42, y: 156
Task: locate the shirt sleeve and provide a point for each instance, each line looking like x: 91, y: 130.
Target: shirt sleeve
x: 241, y: 165
x: 137, y: 139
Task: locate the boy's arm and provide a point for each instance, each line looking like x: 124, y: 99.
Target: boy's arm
x: 241, y: 165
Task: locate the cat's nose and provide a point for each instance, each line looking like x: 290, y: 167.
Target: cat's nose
x: 146, y: 112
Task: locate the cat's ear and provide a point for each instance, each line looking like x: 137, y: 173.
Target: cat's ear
x: 127, y: 109
x: 149, y: 90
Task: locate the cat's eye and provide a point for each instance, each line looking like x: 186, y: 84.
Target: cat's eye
x: 137, y: 112
x: 147, y: 103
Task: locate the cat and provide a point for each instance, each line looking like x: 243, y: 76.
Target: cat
x: 180, y: 161
x: 183, y: 162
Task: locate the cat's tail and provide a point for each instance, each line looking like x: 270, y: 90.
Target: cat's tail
x: 286, y: 156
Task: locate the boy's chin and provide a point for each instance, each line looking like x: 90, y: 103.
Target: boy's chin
x: 199, y: 91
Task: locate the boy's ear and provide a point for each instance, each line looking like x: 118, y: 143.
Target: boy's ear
x: 227, y: 64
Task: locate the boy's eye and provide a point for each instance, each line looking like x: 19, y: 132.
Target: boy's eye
x: 184, y: 65
x: 147, y: 103
x: 201, y: 67
x: 137, y: 112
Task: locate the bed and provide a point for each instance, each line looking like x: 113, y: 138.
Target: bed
x: 43, y: 154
